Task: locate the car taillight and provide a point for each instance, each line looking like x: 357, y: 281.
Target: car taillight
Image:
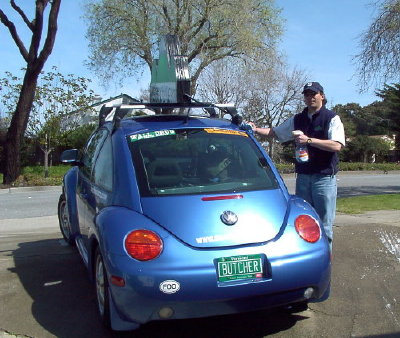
x: 308, y: 228
x: 143, y: 245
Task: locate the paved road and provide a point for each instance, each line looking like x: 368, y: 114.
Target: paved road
x: 359, y: 183
x: 44, y: 290
x: 18, y: 203
x: 15, y: 205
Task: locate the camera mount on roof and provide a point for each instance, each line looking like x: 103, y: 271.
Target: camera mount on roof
x: 170, y: 81
x: 169, y: 89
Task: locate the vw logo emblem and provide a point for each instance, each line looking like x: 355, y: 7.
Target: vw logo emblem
x: 229, y: 217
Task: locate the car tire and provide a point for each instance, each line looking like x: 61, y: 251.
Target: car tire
x: 102, y: 290
x: 63, y: 220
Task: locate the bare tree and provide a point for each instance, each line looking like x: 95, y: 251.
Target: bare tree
x: 35, y: 60
x: 379, y: 58
x: 124, y: 34
x: 266, y: 91
x: 273, y: 94
x: 221, y: 82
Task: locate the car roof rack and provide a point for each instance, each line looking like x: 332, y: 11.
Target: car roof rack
x: 116, y: 112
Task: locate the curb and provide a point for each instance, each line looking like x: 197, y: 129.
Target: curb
x: 27, y: 189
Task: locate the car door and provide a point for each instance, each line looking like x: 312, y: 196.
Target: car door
x: 102, y: 182
x: 84, y: 196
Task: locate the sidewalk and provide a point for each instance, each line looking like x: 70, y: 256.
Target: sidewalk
x: 382, y: 217
x: 27, y: 189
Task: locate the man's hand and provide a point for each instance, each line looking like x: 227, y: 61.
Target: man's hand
x: 269, y: 132
x: 301, y: 139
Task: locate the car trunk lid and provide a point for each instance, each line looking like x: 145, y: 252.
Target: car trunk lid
x: 197, y: 219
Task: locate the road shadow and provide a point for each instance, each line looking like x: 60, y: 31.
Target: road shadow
x: 367, y: 190
x: 250, y: 325
x: 64, y: 301
x: 56, y: 280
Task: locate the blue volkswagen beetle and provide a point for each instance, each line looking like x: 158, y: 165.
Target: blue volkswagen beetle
x: 183, y: 215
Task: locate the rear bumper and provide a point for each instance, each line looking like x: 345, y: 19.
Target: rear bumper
x: 201, y: 295
x: 198, y: 309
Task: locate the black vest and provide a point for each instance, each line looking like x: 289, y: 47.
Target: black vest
x: 320, y: 161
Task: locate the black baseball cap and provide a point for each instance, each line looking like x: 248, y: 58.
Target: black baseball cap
x: 313, y: 86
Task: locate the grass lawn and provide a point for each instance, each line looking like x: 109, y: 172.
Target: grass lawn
x: 360, y: 204
x: 34, y: 176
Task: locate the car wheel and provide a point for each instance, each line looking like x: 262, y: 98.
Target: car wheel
x: 102, y: 290
x: 63, y: 220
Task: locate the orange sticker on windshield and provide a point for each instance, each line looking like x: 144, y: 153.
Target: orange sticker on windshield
x: 225, y: 131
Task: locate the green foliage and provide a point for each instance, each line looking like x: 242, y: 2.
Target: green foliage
x: 357, y: 120
x: 49, y: 127
x: 362, y: 149
x: 348, y: 114
x: 77, y: 138
x: 378, y: 118
x: 359, y: 166
x: 34, y: 176
x: 288, y: 168
x: 56, y: 95
x: 391, y: 101
x: 123, y: 34
x: 361, y: 204
x: 285, y: 168
x: 10, y: 88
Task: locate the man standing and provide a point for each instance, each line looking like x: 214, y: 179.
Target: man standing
x: 323, y: 134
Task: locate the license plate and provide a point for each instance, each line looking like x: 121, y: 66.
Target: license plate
x: 239, y: 267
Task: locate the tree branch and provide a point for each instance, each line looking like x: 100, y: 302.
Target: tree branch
x: 36, y: 32
x: 14, y: 34
x: 22, y: 14
x: 167, y: 17
x: 51, y: 31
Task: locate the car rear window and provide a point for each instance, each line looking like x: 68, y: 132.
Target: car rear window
x: 198, y: 161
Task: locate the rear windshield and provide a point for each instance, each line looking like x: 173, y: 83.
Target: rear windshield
x: 198, y: 161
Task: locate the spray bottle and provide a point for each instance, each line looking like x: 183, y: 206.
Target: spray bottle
x: 301, y: 149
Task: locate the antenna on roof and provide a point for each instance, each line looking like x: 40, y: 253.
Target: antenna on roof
x: 170, y: 81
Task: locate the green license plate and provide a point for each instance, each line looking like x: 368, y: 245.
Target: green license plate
x: 239, y: 267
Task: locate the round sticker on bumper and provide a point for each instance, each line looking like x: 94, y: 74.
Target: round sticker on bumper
x: 169, y: 286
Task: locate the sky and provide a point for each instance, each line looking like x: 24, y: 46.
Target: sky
x: 320, y: 37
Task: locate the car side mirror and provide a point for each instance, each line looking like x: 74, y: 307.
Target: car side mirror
x: 71, y: 157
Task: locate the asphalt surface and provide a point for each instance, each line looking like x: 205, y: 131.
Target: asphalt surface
x: 45, y: 292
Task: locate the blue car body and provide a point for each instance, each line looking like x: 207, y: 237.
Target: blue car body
x: 229, y: 244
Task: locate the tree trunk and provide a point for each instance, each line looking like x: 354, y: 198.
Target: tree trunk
x: 46, y: 151
x: 46, y: 163
x: 17, y: 128
x: 35, y: 61
x: 271, y: 149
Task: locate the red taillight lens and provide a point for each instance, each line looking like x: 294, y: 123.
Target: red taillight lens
x: 143, y: 245
x: 308, y: 228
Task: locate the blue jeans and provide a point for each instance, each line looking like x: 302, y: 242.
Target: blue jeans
x: 320, y: 191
